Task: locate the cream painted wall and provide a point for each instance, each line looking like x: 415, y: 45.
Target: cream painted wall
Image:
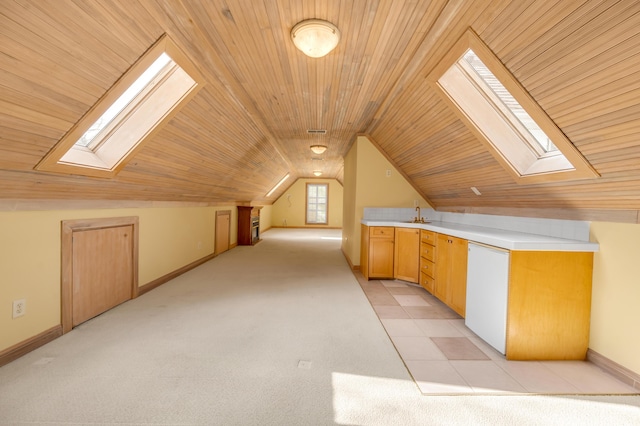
x: 377, y: 184
x: 169, y: 239
x: 615, y: 317
x: 265, y: 218
x: 290, y: 208
x: 349, y: 206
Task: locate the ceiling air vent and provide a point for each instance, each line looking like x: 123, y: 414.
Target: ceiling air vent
x: 316, y: 131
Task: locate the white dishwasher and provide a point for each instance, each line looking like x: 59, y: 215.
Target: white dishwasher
x: 487, y: 289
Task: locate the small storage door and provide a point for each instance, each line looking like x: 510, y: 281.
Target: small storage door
x: 102, y: 270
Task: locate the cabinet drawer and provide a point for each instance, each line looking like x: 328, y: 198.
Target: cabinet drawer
x: 382, y: 231
x: 428, y: 237
x: 427, y: 267
x: 427, y: 282
x: 427, y: 251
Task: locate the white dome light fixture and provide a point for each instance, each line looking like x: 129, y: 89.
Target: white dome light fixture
x: 317, y: 173
x: 318, y: 149
x: 315, y: 37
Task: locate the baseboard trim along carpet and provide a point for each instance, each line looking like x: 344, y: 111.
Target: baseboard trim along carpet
x: 16, y: 351
x: 171, y: 275
x: 32, y: 343
x: 351, y: 265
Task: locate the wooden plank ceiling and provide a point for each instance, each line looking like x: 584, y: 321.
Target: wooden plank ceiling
x: 246, y: 129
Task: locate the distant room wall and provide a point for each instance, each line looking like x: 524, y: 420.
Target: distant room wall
x: 289, y: 210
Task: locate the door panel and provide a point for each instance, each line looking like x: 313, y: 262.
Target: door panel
x: 102, y: 270
x: 458, y: 275
x: 223, y: 231
x: 381, y: 258
x: 407, y: 254
x: 442, y: 267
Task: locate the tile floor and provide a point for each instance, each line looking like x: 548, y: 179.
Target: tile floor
x: 445, y: 357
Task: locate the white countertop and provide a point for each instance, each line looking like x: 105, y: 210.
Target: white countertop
x: 510, y: 240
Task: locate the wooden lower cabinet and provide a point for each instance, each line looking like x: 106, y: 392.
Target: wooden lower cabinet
x: 406, y: 258
x: 547, y: 297
x: 530, y: 305
x: 549, y: 305
x: 451, y: 272
x: 377, y: 251
x: 427, y: 260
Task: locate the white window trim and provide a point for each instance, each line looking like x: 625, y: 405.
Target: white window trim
x: 498, y: 134
x: 107, y: 158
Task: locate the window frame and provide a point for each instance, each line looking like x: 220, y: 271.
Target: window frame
x: 105, y: 159
x: 494, y: 129
x: 306, y: 204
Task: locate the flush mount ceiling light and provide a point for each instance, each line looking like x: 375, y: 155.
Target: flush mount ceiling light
x: 315, y: 37
x: 318, y: 149
x: 317, y: 173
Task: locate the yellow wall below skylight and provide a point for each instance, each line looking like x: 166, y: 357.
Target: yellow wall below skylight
x: 169, y: 239
x: 372, y: 186
x: 615, y: 317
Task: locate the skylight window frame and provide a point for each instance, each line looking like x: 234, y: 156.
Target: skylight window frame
x: 502, y: 136
x: 505, y: 111
x: 105, y: 159
x: 139, y: 98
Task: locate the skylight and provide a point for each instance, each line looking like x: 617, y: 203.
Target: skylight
x: 495, y: 107
x: 272, y: 190
x: 125, y: 99
x: 144, y: 99
x: 539, y: 136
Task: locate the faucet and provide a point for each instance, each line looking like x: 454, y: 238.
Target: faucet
x: 418, y: 219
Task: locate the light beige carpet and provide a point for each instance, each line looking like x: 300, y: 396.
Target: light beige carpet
x: 276, y: 334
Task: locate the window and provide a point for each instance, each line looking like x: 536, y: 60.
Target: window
x: 144, y: 99
x: 495, y: 107
x: 317, y: 203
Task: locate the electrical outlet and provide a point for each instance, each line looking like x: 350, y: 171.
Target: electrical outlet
x: 388, y: 173
x: 199, y: 245
x: 19, y: 307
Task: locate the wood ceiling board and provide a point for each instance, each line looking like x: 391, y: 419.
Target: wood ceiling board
x: 247, y: 127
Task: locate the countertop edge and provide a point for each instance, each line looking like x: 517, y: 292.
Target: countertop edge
x: 504, y: 239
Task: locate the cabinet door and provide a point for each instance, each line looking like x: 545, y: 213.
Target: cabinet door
x: 458, y: 274
x: 381, y: 258
x: 407, y: 254
x: 549, y: 305
x: 451, y: 272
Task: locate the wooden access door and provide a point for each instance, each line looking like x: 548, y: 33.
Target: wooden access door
x: 99, y: 267
x: 223, y: 231
x: 406, y: 262
x: 102, y: 270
